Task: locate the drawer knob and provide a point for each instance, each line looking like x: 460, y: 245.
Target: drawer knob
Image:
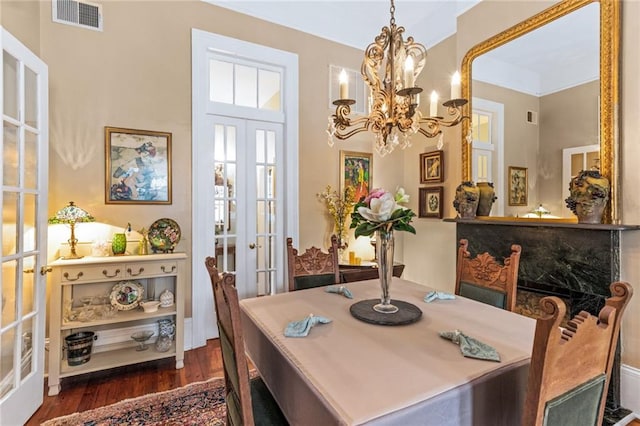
x: 164, y: 269
x: 68, y: 278
x: 106, y: 273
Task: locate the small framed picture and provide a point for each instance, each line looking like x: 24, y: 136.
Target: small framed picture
x: 355, y: 171
x: 431, y: 202
x: 432, y: 167
x: 518, y: 186
x: 138, y: 166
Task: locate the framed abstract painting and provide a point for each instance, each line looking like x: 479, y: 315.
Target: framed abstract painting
x: 138, y: 166
x: 355, y: 171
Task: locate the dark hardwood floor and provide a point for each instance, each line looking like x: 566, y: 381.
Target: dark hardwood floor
x: 94, y: 390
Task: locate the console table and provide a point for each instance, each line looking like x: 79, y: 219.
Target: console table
x: 351, y: 273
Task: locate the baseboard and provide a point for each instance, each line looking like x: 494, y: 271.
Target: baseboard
x: 629, y: 385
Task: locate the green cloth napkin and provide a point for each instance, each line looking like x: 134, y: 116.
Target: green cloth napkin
x: 340, y: 290
x: 301, y: 328
x: 433, y: 295
x: 470, y: 347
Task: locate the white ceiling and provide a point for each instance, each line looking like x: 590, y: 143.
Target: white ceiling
x: 562, y: 55
x: 356, y: 22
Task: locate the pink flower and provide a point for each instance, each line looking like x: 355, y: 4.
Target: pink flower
x: 375, y: 193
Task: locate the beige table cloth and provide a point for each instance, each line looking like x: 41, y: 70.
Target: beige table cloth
x: 351, y: 372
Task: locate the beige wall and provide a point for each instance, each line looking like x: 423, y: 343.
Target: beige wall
x: 137, y: 74
x: 21, y: 19
x: 520, y: 145
x: 568, y: 119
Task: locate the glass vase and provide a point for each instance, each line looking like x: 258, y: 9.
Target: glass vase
x: 384, y: 254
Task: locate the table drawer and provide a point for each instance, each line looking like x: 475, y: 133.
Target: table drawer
x: 147, y: 269
x: 88, y: 273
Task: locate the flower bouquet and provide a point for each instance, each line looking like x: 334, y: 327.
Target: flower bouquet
x: 381, y: 213
x: 381, y: 210
x: 339, y: 206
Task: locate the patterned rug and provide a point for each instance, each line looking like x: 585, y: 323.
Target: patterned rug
x: 200, y: 403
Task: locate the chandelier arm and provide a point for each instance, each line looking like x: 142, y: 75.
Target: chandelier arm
x: 347, y: 135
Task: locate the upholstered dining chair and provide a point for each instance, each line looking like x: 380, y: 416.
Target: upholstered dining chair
x: 571, y: 367
x: 248, y: 401
x: 313, y: 268
x: 485, y: 280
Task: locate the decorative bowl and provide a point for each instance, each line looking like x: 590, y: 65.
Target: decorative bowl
x: 150, y: 306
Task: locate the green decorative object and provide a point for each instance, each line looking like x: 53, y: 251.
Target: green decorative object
x: 466, y: 201
x: 119, y: 244
x: 589, y: 193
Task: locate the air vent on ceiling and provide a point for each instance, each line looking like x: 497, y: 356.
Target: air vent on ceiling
x: 77, y: 13
x: 532, y: 117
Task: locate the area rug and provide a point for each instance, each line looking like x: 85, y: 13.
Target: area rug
x: 200, y: 403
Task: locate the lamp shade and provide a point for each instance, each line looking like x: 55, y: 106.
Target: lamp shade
x: 71, y: 214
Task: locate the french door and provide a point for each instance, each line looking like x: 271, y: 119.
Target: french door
x: 23, y: 175
x: 246, y: 202
x: 245, y: 167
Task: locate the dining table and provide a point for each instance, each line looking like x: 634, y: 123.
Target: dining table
x: 353, y: 372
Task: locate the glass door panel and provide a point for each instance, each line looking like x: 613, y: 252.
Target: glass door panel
x: 23, y: 145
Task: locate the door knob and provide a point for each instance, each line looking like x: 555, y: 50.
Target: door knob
x: 252, y: 246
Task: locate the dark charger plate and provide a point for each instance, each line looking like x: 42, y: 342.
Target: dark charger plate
x: 407, y: 313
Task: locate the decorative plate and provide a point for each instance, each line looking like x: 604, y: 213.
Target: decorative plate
x: 164, y: 235
x: 126, y: 295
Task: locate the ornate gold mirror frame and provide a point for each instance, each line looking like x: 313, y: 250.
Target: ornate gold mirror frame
x: 609, y: 89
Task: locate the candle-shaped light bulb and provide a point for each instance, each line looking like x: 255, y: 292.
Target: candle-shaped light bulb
x: 455, y: 85
x: 433, y: 106
x: 344, y: 85
x: 409, y: 79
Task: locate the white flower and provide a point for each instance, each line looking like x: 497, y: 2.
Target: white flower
x: 401, y: 196
x: 380, y: 209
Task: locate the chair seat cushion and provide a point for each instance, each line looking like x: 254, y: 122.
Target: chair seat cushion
x: 577, y: 407
x: 483, y: 294
x: 265, y: 409
x: 309, y: 281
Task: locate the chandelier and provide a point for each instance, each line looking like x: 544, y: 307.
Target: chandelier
x: 390, y: 68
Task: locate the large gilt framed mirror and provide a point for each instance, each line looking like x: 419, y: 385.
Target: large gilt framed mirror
x: 552, y: 111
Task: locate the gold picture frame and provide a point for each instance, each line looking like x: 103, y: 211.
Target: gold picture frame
x: 137, y: 166
x: 518, y: 186
x: 356, y: 171
x: 432, y: 167
x: 431, y: 202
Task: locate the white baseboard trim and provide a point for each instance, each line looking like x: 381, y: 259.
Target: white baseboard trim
x: 629, y: 385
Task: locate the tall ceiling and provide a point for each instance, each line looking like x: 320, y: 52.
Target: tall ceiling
x: 560, y: 55
x: 356, y: 22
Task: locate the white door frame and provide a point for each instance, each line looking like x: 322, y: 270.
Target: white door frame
x: 19, y: 404
x: 202, y: 42
x: 496, y: 110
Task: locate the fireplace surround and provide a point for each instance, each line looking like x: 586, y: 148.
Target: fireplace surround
x: 575, y: 262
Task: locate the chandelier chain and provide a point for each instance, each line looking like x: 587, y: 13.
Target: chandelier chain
x: 392, y: 10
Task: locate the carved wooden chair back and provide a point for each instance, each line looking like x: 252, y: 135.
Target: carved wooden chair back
x: 571, y: 367
x: 485, y: 280
x: 313, y: 268
x: 246, y: 399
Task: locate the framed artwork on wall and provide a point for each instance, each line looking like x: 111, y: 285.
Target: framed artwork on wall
x: 518, y: 186
x: 356, y: 171
x: 432, y: 167
x: 431, y: 202
x: 137, y: 166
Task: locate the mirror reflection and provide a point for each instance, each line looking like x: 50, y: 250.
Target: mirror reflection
x: 536, y: 109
